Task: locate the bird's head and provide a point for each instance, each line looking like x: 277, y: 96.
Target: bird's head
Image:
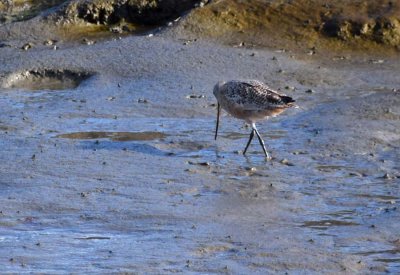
x: 217, y: 88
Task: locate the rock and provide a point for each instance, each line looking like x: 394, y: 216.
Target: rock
x: 88, y: 41
x: 377, y: 61
x: 290, y: 88
x: 204, y: 163
x: 116, y: 29
x: 27, y: 46
x: 195, y: 96
x: 49, y: 42
x: 309, y: 91
x: 286, y: 162
x: 387, y: 176
x: 142, y: 100
x: 355, y: 174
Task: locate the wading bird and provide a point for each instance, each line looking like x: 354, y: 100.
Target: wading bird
x: 250, y: 100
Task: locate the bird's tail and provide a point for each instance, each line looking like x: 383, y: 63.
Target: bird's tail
x: 287, y: 99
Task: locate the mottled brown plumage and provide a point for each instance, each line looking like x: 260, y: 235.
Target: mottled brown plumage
x: 250, y: 100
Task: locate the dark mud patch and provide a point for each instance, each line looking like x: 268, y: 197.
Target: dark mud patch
x: 107, y: 12
x: 115, y: 136
x: 121, y: 16
x: 37, y: 80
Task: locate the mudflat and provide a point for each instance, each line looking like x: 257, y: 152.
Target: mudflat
x: 108, y: 161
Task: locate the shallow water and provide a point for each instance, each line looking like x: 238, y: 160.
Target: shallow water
x: 114, y: 136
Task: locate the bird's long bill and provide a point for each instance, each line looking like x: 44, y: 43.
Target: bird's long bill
x: 218, y: 113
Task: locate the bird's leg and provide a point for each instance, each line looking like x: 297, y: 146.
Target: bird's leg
x: 261, y: 141
x: 248, y: 143
x: 218, y: 113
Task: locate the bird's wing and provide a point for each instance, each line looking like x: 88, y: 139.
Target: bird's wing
x: 255, y: 95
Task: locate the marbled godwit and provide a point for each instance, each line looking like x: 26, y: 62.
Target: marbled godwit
x: 251, y: 101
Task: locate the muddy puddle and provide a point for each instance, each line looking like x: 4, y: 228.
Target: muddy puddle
x: 115, y: 136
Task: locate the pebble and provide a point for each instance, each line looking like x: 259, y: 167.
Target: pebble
x: 195, y: 96
x: 290, y: 88
x: 241, y: 44
x: 377, y: 61
x: 205, y: 163
x: 286, y: 162
x: 311, y: 52
x: 27, y: 46
x: 355, y: 174
x: 309, y: 91
x: 299, y: 153
x: 339, y: 58
x: 116, y: 29
x: 142, y: 100
x: 387, y: 176
x: 88, y: 41
x: 49, y: 42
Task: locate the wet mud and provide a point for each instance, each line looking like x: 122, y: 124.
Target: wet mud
x: 120, y: 172
x: 37, y: 80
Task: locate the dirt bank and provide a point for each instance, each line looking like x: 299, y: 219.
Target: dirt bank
x: 333, y: 25
x: 327, y: 27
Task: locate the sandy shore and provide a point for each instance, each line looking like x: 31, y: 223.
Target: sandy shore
x: 118, y: 171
